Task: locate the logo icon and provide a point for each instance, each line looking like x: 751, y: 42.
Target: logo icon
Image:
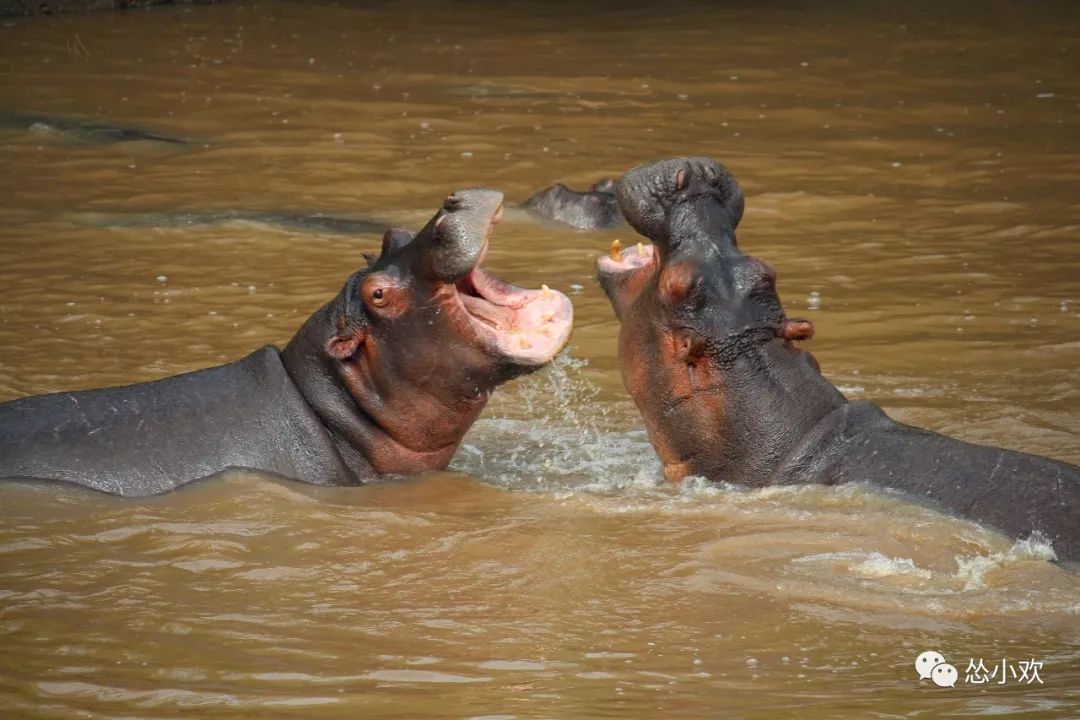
x: 944, y: 675
x: 926, y: 662
x: 931, y: 665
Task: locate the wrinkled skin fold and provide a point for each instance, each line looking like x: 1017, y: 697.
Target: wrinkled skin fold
x: 386, y: 378
x: 709, y: 357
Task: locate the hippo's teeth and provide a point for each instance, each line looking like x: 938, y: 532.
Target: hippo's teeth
x: 523, y: 342
x: 545, y: 331
x: 640, y: 249
x: 548, y: 317
x: 616, y: 248
x: 545, y: 292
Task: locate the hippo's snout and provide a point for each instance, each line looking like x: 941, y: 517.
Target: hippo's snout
x: 455, y: 240
x: 648, y: 192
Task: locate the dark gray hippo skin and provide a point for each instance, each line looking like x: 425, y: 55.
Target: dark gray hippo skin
x: 597, y: 208
x: 708, y: 354
x: 298, y: 220
x: 50, y: 7
x: 384, y: 379
x: 84, y: 130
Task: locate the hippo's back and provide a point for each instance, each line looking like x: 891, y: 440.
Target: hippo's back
x: 149, y: 438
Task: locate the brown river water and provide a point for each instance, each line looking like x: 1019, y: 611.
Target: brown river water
x: 911, y: 172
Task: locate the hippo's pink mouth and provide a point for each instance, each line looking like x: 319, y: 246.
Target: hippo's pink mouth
x: 528, y: 327
x: 620, y: 261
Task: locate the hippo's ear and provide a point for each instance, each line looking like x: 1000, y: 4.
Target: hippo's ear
x: 395, y: 239
x: 603, y: 185
x: 797, y: 329
x: 343, y: 347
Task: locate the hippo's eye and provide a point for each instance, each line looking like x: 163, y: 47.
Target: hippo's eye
x: 383, y: 292
x: 379, y: 297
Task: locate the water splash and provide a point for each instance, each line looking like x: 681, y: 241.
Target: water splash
x: 553, y: 433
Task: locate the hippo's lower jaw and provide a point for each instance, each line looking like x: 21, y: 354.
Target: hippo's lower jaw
x: 621, y: 261
x: 525, y: 327
x: 624, y: 272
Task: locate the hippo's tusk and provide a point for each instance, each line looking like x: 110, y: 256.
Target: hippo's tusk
x: 616, y: 247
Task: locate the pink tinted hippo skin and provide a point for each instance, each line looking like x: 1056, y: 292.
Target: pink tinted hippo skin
x: 708, y: 355
x: 595, y: 209
x: 384, y: 379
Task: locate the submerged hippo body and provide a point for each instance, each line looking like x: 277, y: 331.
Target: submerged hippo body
x: 707, y: 353
x: 597, y: 208
x: 286, y: 220
x: 384, y: 379
x: 82, y: 130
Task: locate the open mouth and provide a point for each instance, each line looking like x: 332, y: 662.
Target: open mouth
x: 624, y: 273
x: 528, y: 327
x: 623, y: 260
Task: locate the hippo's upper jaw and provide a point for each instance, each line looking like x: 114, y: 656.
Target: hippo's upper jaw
x: 401, y: 363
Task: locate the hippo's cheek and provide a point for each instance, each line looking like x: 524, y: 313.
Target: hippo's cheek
x: 681, y: 401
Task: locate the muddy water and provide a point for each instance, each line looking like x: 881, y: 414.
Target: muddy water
x: 912, y: 175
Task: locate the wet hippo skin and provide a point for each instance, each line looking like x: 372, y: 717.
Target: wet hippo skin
x: 708, y: 355
x: 384, y: 379
x: 595, y: 208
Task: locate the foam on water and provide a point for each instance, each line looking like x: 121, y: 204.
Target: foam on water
x: 973, y: 570
x: 542, y: 438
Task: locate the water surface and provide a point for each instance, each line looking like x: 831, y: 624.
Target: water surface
x: 910, y: 172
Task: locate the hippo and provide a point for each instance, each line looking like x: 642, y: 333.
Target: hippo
x: 385, y: 379
x: 709, y: 356
x: 594, y: 209
x: 85, y: 131
x: 50, y: 7
x: 286, y: 220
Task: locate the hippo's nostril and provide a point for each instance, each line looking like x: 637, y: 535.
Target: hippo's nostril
x: 680, y: 179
